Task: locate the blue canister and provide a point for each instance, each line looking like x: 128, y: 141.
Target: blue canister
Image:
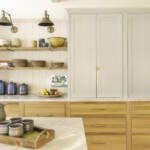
x: 23, y: 89
x: 41, y: 42
x: 2, y: 87
x: 12, y: 88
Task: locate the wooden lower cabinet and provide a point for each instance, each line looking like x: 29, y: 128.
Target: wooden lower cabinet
x: 108, y: 125
x: 44, y: 109
x: 140, y: 142
x: 106, y: 142
x: 13, y: 109
x: 105, y: 129
x: 105, y: 125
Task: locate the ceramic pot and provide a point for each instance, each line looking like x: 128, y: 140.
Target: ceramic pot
x: 23, y: 89
x: 2, y: 87
x: 12, y: 88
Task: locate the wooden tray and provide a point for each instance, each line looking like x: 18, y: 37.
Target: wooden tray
x: 36, y: 139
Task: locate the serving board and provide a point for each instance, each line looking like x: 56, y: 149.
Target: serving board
x: 35, y: 139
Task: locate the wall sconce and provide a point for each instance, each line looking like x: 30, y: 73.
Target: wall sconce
x: 46, y: 22
x: 4, y: 21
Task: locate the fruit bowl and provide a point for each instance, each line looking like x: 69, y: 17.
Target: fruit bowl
x: 52, y: 94
x: 60, y: 94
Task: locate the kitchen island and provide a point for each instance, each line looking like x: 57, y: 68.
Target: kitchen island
x: 69, y: 134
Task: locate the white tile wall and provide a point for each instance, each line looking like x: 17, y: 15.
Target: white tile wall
x: 28, y: 31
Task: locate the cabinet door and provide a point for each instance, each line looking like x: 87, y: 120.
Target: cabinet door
x: 83, y: 54
x: 106, y: 142
x: 109, y: 55
x: 139, y: 55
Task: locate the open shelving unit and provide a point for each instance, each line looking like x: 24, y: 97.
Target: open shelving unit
x: 32, y: 68
x: 33, y: 49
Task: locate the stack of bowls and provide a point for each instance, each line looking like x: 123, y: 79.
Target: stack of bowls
x: 4, y: 127
x: 19, y: 62
x: 38, y: 63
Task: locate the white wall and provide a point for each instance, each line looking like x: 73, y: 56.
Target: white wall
x: 35, y: 8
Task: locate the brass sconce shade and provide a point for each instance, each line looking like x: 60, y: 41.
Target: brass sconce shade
x: 46, y: 20
x: 4, y: 21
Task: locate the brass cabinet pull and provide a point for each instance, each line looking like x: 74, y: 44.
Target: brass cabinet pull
x: 99, y: 125
x: 99, y: 143
x: 99, y: 109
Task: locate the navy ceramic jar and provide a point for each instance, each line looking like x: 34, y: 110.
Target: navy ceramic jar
x: 23, y: 89
x: 2, y: 87
x: 12, y: 88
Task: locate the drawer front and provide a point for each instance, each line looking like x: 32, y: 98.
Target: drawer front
x: 140, y: 108
x: 141, y: 125
x: 141, y: 142
x: 44, y: 109
x: 105, y: 125
x: 89, y: 109
x: 106, y: 142
x: 12, y: 110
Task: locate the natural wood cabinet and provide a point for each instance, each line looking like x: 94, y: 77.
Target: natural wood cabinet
x: 140, y: 108
x: 13, y: 109
x: 108, y: 125
x: 141, y: 125
x: 44, y: 109
x: 96, y: 108
x: 106, y: 142
x: 105, y: 125
x: 140, y: 142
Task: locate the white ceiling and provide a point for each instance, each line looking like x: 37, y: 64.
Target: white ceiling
x: 35, y: 8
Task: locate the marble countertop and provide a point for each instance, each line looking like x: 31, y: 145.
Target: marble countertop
x: 69, y: 134
x: 65, y: 98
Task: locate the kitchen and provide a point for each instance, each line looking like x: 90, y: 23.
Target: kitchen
x: 78, y: 70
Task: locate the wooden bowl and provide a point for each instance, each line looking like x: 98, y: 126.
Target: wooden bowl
x: 38, y: 63
x: 19, y: 62
x: 56, y: 65
x: 57, y: 41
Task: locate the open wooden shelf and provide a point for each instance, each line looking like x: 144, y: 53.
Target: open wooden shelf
x: 33, y: 49
x: 32, y: 68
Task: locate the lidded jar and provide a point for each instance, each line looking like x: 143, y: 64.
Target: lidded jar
x: 2, y: 87
x: 23, y: 89
x: 12, y: 88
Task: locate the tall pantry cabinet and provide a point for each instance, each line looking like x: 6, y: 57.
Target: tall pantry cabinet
x: 96, y: 54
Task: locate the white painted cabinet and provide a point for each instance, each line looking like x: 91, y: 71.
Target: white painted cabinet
x: 96, y: 55
x: 109, y: 55
x: 83, y: 55
x: 139, y: 54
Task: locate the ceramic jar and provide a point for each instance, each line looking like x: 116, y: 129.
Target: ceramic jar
x: 16, y: 130
x: 23, y: 89
x: 2, y: 87
x: 12, y: 88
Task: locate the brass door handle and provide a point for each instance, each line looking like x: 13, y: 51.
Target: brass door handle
x: 98, y: 68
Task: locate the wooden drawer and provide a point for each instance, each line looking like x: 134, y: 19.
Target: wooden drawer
x: 141, y: 142
x: 141, y: 125
x: 106, y: 142
x: 44, y: 109
x: 90, y: 109
x: 105, y: 125
x: 12, y: 109
x: 140, y: 108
